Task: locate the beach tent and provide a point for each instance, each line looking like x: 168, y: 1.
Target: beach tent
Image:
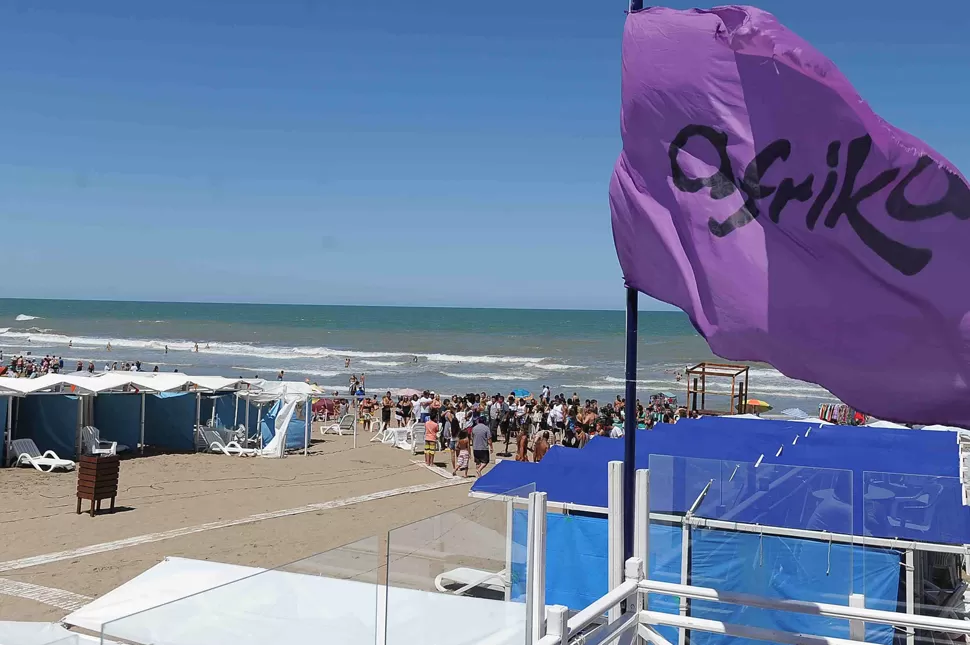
x: 282, y: 429
x: 273, y: 396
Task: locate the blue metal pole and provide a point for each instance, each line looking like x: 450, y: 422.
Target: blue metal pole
x: 630, y: 421
x: 636, y: 5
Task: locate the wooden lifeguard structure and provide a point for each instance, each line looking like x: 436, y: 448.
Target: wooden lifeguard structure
x: 697, y: 392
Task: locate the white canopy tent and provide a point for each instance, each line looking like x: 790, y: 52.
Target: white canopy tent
x: 84, y: 384
x: 261, y: 393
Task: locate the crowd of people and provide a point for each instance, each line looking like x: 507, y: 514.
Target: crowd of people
x: 27, y: 366
x: 470, y: 426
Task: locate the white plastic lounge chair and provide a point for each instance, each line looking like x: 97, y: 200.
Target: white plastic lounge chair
x: 402, y: 438
x: 342, y: 427
x: 93, y: 445
x: 467, y: 579
x: 232, y: 449
x: 382, y: 435
x: 26, y: 452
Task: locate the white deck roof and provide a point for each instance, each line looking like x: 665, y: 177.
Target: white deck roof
x: 194, y: 602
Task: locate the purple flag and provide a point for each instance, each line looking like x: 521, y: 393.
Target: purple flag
x: 760, y: 194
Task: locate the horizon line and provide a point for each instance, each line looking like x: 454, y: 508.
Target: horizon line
x: 672, y: 310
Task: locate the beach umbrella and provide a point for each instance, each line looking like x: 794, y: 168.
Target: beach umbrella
x: 795, y: 413
x: 757, y: 405
x: 519, y: 392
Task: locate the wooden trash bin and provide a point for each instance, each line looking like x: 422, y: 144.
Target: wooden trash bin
x: 97, y: 479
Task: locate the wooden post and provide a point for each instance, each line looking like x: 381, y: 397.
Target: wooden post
x: 704, y: 388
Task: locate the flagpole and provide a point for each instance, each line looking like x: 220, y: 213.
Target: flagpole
x: 630, y: 420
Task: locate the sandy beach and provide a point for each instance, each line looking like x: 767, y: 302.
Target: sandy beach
x: 249, y: 511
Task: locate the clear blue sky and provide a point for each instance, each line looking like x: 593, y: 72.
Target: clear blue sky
x: 422, y: 152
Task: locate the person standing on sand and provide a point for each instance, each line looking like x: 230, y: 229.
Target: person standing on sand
x: 522, y: 446
x: 387, y: 406
x: 455, y: 429
x: 430, y: 441
x: 424, y: 407
x: 406, y: 409
x: 541, y: 447
x: 445, y: 435
x: 481, y: 446
x: 463, y: 456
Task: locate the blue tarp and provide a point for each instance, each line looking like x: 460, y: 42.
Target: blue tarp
x: 51, y: 421
x: 841, y: 483
x: 577, y: 568
x: 170, y: 421
x: 296, y: 431
x: 118, y: 418
x: 789, y: 568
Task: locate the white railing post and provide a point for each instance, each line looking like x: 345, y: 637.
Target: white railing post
x: 684, y: 578
x: 857, y: 628
x: 615, y: 532
x: 641, y: 539
x: 633, y: 572
x: 509, y: 520
x: 556, y: 617
x: 910, y: 564
x: 535, y: 600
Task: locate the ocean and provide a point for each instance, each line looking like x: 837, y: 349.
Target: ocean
x: 443, y: 349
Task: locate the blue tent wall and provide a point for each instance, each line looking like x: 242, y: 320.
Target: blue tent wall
x: 789, y: 568
x: 225, y: 410
x: 170, y: 421
x: 296, y: 430
x: 118, y: 417
x: 51, y: 421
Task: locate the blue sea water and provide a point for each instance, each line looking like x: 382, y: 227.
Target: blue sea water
x: 449, y: 350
